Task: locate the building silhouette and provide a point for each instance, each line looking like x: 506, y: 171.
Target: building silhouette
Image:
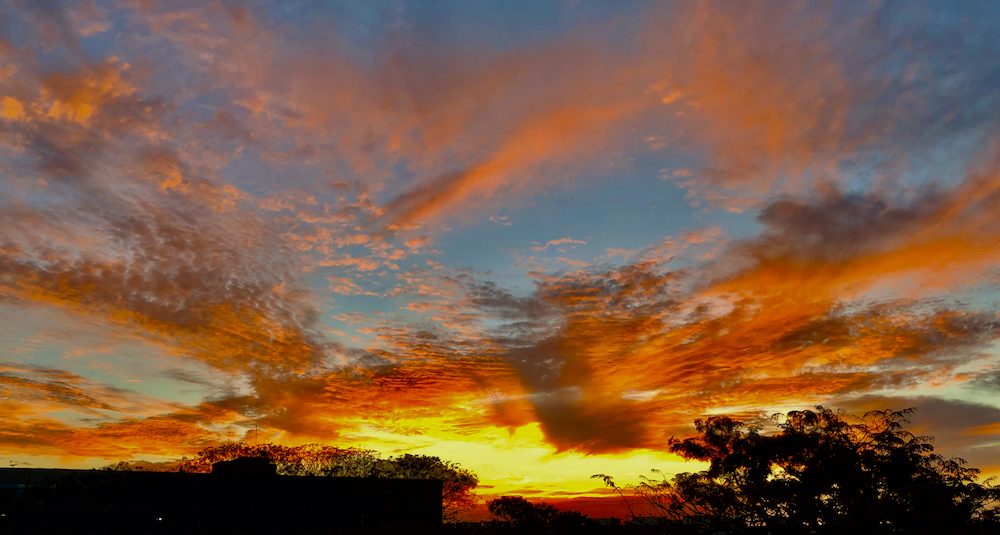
x: 240, y: 496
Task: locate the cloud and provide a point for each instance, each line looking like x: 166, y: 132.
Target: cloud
x: 810, y: 310
x: 560, y: 241
x: 111, y: 441
x: 767, y: 325
x: 960, y: 428
x: 111, y: 221
x: 777, y: 101
x: 417, y: 242
x: 767, y: 98
x: 42, y: 386
x: 545, y: 137
x: 190, y: 377
x: 190, y: 192
x: 843, y: 244
x: 108, y: 422
x: 53, y: 22
x: 989, y: 380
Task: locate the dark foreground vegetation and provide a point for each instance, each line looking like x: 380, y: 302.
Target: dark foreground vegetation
x: 808, y: 472
x: 231, y: 502
x: 523, y: 516
x: 816, y: 472
x: 318, y: 460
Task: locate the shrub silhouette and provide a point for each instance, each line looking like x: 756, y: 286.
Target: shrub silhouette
x: 817, y: 472
x: 527, y: 517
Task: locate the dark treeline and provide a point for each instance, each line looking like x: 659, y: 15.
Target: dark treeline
x: 806, y: 472
x: 319, y: 460
x: 815, y: 472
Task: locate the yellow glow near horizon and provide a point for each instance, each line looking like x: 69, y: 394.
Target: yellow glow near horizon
x: 515, y: 462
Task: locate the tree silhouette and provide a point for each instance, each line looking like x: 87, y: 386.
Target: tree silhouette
x: 318, y: 460
x: 459, y: 483
x: 122, y: 466
x: 308, y: 459
x: 818, y: 472
x: 541, y: 517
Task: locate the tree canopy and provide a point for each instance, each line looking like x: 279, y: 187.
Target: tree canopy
x: 319, y: 460
x: 529, y: 517
x: 308, y: 459
x: 818, y: 472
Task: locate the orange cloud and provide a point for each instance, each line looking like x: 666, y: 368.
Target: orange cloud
x: 48, y: 387
x: 12, y: 109
x: 818, y: 306
x: 111, y: 441
x: 844, y: 245
x: 120, y: 214
x: 553, y: 136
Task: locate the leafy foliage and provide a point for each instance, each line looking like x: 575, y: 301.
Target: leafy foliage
x: 122, y: 466
x: 307, y: 460
x: 817, y: 472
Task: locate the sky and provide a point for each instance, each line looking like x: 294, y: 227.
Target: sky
x: 538, y: 239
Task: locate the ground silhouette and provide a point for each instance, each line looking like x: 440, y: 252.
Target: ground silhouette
x: 805, y: 472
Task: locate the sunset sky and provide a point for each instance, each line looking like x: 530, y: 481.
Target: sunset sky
x: 535, y: 238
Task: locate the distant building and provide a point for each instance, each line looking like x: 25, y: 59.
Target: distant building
x: 243, y: 496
